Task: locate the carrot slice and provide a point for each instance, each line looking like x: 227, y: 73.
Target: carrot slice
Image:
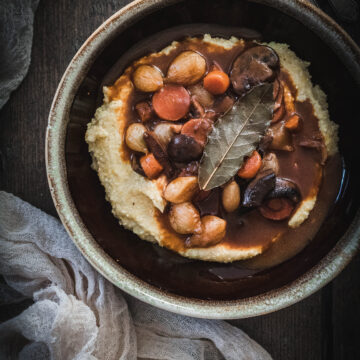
x: 251, y: 166
x: 277, y: 209
x: 171, y: 102
x: 293, y: 123
x: 197, y: 129
x: 216, y: 82
x: 152, y: 168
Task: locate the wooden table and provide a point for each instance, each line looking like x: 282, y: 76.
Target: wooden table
x: 324, y: 326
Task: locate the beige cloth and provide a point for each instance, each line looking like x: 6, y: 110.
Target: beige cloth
x: 77, y: 314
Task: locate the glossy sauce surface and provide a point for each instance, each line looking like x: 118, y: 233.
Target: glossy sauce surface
x: 245, y: 229
x: 174, y: 273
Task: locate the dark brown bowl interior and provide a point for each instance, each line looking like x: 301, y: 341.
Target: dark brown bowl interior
x: 158, y: 266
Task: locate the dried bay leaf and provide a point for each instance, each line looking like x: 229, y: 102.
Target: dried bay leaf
x: 234, y: 136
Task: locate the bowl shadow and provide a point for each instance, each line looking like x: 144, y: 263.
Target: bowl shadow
x: 161, y: 267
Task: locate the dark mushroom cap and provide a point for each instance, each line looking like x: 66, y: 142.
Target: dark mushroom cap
x: 253, y: 67
x: 183, y: 149
x: 258, y: 188
x: 285, y: 189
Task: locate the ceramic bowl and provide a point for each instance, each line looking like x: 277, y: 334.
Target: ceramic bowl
x: 79, y: 197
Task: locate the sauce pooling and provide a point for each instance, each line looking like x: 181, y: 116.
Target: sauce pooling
x: 246, y: 228
x: 176, y: 274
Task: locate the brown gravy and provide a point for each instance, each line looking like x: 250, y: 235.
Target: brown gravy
x: 205, y: 280
x: 249, y: 229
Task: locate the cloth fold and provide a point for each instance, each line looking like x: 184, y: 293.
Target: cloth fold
x: 77, y: 314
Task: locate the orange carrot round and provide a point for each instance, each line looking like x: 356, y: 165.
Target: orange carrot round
x: 251, y: 166
x: 293, y: 123
x: 277, y: 209
x: 152, y: 168
x: 171, y: 102
x: 216, y: 82
x: 197, y: 129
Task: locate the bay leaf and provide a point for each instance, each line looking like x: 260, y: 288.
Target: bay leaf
x: 234, y: 136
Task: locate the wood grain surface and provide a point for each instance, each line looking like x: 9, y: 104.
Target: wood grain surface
x: 324, y: 326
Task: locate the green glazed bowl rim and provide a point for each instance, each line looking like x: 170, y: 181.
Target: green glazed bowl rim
x: 328, y: 268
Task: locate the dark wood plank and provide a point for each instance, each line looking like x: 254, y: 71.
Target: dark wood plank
x: 341, y: 298
x: 60, y: 29
x: 292, y: 333
x: 346, y: 312
x: 324, y: 326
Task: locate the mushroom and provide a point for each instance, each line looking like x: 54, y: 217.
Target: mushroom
x: 285, y: 188
x: 201, y: 94
x: 198, y: 109
x: 270, y: 162
x: 281, y: 201
x: 281, y: 137
x: 253, y: 67
x: 183, y: 149
x: 258, y: 188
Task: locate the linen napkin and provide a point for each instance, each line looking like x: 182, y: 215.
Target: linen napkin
x: 77, y: 314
